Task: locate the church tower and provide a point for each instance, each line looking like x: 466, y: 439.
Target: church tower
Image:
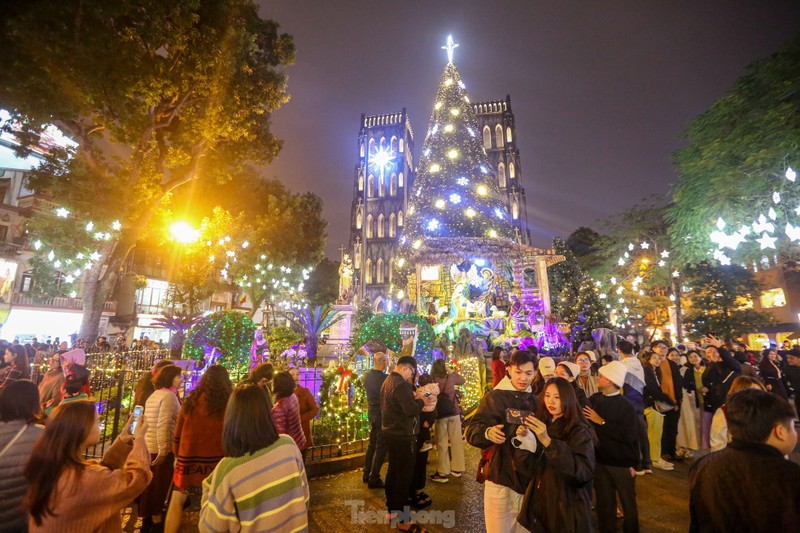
x: 496, y: 123
x: 383, y: 176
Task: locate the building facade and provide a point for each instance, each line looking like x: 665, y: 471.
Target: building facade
x: 384, y: 177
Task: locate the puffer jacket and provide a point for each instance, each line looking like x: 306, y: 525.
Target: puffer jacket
x: 13, y: 485
x: 161, y: 410
x: 508, y: 466
x: 286, y: 414
x: 399, y: 410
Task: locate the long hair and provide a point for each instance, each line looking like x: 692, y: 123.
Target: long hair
x: 57, y: 450
x: 570, y: 410
x: 438, y: 369
x: 283, y: 385
x: 20, y: 401
x: 215, y: 386
x: 248, y: 423
x: 20, y: 361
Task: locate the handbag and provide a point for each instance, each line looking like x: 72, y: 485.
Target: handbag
x: 663, y: 407
x: 15, y: 439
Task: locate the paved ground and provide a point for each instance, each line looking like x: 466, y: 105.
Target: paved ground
x: 341, y: 502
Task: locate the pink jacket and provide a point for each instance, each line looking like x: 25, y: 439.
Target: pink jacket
x: 286, y: 414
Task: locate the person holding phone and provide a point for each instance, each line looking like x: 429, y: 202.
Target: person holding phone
x: 718, y: 377
x: 68, y: 493
x: 559, y: 495
x: 508, y: 466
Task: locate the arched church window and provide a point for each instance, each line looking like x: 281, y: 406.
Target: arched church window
x: 380, y: 273
x: 400, y: 219
x: 393, y: 185
x: 392, y: 225
x: 381, y: 186
x: 400, y: 146
x: 359, y: 220
x: 512, y: 171
x: 508, y: 134
x: 501, y: 175
x: 361, y: 150
x: 393, y: 144
x: 371, y: 146
x: 369, y: 226
x: 498, y: 134
x: 360, y: 182
x: 368, y: 271
x: 380, y: 226
x: 383, y: 143
x: 400, y: 180
x: 370, y: 186
x: 515, y: 210
x: 487, y: 137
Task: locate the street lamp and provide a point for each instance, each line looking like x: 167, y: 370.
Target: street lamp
x: 183, y: 232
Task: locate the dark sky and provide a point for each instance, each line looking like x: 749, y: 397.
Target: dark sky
x: 601, y: 90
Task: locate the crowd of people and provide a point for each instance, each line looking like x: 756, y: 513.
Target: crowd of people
x: 562, y: 441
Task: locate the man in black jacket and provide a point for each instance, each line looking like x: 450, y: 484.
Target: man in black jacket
x: 762, y: 427
x: 376, y: 451
x: 400, y: 408
x: 718, y: 376
x: 510, y: 465
x: 792, y: 372
x: 617, y: 450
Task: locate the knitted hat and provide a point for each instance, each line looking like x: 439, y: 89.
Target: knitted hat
x: 614, y: 372
x: 592, y: 356
x: 547, y: 367
x: 574, y: 369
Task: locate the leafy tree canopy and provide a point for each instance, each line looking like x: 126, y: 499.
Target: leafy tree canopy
x: 156, y: 93
x: 738, y: 153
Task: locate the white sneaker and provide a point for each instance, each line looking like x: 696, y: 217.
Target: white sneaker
x: 663, y: 465
x: 426, y: 446
x: 667, y: 462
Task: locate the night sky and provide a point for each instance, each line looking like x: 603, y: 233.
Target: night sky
x: 601, y: 90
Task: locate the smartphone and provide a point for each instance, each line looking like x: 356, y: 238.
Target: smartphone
x: 137, y: 414
x: 517, y: 416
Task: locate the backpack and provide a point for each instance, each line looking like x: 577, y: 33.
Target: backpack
x: 446, y: 404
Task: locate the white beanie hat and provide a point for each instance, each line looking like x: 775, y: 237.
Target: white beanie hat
x: 592, y: 356
x: 614, y: 372
x: 574, y: 369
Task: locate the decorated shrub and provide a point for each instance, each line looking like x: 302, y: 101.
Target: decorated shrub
x: 230, y: 332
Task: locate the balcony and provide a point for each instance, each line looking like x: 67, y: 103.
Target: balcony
x: 60, y: 302
x: 36, y: 203
x: 10, y: 250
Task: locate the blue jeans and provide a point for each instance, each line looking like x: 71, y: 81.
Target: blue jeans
x: 376, y: 452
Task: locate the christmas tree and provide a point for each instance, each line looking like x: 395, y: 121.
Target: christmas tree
x: 574, y: 296
x: 455, y: 195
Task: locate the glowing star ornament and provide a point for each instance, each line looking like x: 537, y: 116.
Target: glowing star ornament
x: 470, y: 213
x: 630, y: 246
x: 720, y: 224
x: 793, y: 232
x: 452, y: 154
x: 37, y: 244
x: 645, y: 245
x: 434, y: 168
x: 448, y: 128
x: 766, y: 241
x: 433, y: 224
x: 762, y: 225
x: 462, y: 181
x: 62, y: 212
x: 116, y: 225
x: 772, y: 214
x: 665, y: 254
x: 621, y: 262
x: 776, y: 197
x: 89, y: 226
x: 791, y: 175
x: 439, y: 204
x: 499, y: 213
x: 450, y: 47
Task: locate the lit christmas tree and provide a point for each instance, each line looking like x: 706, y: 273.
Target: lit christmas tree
x: 456, y: 197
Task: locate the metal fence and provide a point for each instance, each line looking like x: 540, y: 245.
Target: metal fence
x: 114, y: 377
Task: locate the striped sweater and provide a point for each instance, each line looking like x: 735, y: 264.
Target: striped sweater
x: 266, y: 491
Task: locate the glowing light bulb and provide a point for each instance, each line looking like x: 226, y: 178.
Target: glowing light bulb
x: 452, y: 154
x: 455, y: 112
x: 448, y: 128
x: 433, y: 224
x: 470, y: 212
x: 482, y: 190
x: 439, y: 203
x: 417, y: 244
x: 434, y: 168
x: 492, y: 234
x: 438, y: 105
x: 400, y: 263
x: 448, y: 82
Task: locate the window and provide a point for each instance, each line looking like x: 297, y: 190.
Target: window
x: 368, y: 271
x: 360, y: 182
x: 369, y: 226
x: 501, y: 175
x: 400, y: 146
x: 393, y: 144
x: 361, y: 151
x: 380, y: 271
x: 383, y: 143
x: 380, y: 226
x: 393, y: 185
x: 498, y: 134
x: 514, y: 210
x: 508, y: 136
x: 27, y: 282
x: 512, y: 171
x: 400, y: 180
x: 773, y: 298
x: 370, y: 186
x: 359, y: 220
x: 487, y: 137
x: 381, y: 186
x: 371, y: 146
x: 392, y: 225
x: 400, y: 219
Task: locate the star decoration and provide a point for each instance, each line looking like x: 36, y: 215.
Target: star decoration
x: 665, y: 254
x: 645, y: 245
x: 766, y: 241
x: 793, y: 232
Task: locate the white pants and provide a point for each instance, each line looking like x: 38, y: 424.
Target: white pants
x: 448, y: 430
x: 501, y: 505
